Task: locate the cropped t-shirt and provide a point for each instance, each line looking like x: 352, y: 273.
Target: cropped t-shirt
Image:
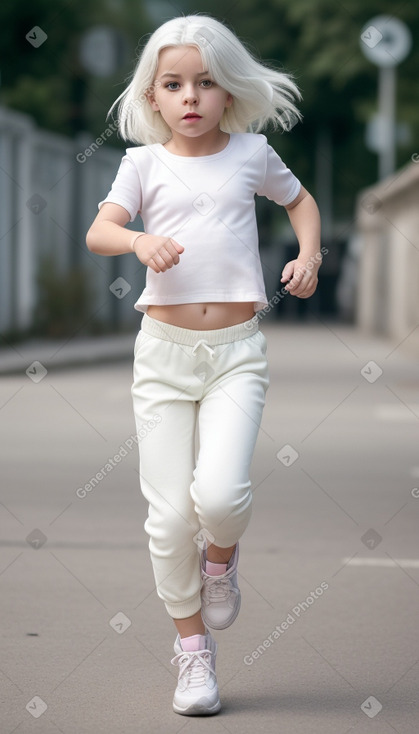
x: 206, y: 204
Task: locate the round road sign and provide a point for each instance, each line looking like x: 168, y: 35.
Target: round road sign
x: 385, y: 41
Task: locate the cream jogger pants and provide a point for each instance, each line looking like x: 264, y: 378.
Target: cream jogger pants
x: 198, y: 491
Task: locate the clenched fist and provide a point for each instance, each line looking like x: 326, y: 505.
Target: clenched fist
x: 159, y: 253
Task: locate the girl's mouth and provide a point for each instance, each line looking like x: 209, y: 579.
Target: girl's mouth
x: 192, y: 116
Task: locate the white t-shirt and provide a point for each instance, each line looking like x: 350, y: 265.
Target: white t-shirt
x: 206, y: 204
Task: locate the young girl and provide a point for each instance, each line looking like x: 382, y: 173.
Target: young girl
x: 194, y: 108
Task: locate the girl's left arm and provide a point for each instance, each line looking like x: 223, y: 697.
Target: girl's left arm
x: 301, y: 273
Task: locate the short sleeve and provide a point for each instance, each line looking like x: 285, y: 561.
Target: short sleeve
x: 126, y: 188
x: 280, y: 184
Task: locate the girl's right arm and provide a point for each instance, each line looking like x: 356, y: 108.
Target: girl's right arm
x: 108, y: 236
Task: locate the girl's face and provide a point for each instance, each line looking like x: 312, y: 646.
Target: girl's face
x: 189, y: 101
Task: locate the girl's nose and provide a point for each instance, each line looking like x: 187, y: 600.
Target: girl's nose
x: 190, y: 94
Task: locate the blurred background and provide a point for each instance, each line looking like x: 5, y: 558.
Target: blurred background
x: 63, y: 64
x: 336, y: 470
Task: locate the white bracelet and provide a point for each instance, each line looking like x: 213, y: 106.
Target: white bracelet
x: 135, y: 238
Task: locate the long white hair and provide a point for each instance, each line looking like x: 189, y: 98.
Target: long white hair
x: 261, y: 94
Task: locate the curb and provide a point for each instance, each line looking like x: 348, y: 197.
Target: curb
x: 51, y: 356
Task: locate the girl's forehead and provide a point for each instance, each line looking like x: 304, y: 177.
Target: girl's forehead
x: 179, y: 58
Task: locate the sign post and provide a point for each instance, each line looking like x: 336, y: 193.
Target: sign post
x: 386, y: 41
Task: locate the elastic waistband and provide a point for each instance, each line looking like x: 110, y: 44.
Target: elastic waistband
x: 190, y: 337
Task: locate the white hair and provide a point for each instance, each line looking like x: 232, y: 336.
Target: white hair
x: 261, y: 94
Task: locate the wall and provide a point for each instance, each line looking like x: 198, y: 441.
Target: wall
x: 388, y: 276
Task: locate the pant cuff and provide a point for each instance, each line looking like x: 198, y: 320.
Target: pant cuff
x: 183, y: 609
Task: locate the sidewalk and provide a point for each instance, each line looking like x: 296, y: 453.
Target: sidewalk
x: 326, y: 639
x: 63, y: 354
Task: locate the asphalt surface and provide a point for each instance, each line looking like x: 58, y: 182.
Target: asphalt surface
x: 326, y: 640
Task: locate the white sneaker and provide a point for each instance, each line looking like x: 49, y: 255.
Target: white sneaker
x: 220, y: 595
x: 197, y: 691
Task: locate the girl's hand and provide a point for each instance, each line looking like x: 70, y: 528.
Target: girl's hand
x: 159, y: 253
x: 301, y: 275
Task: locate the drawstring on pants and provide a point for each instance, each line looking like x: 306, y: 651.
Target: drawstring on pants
x: 204, y: 343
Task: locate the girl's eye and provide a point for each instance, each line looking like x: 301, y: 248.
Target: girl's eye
x: 174, y: 86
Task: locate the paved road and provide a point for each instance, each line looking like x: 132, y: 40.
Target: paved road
x: 327, y: 638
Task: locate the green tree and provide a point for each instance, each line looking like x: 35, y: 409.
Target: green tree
x: 49, y: 82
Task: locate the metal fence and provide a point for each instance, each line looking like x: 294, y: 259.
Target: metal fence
x: 49, y: 190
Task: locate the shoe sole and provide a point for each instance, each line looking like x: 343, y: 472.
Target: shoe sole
x: 200, y: 708
x: 223, y: 626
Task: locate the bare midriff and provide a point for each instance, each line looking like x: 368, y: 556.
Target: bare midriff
x: 203, y: 316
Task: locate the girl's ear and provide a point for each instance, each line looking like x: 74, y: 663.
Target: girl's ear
x: 152, y: 102
x: 229, y: 100
x: 151, y: 99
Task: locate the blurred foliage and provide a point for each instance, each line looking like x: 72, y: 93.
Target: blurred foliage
x: 318, y: 42
x: 49, y: 82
